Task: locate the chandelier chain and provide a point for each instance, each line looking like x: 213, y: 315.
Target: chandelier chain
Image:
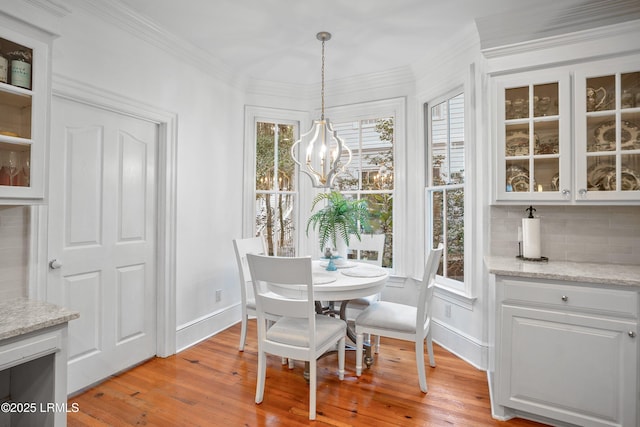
x: 322, y: 92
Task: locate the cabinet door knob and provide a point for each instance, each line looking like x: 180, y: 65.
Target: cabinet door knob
x: 565, y: 298
x: 566, y: 193
x: 582, y: 192
x: 54, y: 264
x: 632, y: 334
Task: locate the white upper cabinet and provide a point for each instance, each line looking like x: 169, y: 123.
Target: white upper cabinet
x: 533, y: 141
x: 607, y: 133
x: 24, y: 101
x: 568, y: 135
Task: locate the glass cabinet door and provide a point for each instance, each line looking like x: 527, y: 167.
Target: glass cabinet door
x: 533, y: 144
x: 23, y: 92
x: 608, y: 133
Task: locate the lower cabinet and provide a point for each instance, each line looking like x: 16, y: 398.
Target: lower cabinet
x: 33, y: 379
x: 567, y: 353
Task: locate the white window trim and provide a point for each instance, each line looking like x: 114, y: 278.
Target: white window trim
x: 252, y: 115
x: 461, y: 290
x: 395, y: 107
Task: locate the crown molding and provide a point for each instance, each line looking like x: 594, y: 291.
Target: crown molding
x: 55, y: 8
x: 132, y: 22
x: 533, y: 26
x: 364, y: 82
x: 563, y: 40
x: 393, y: 77
x: 280, y: 89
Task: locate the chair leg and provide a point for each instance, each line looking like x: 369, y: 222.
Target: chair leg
x: 262, y: 374
x: 341, y: 351
x: 432, y: 360
x: 422, y: 378
x: 359, y: 344
x: 377, y: 344
x: 312, y: 389
x: 291, y: 364
x: 243, y: 332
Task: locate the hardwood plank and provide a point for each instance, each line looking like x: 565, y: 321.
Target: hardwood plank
x: 212, y: 383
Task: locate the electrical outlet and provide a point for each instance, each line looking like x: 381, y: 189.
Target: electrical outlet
x: 447, y: 310
x: 218, y: 295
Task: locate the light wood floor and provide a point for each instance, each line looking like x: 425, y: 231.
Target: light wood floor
x: 213, y: 384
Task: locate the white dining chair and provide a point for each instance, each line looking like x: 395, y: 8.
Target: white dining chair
x: 369, y: 249
x: 299, y: 333
x: 242, y: 247
x: 403, y: 322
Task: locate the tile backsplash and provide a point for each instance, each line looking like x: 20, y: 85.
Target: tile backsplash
x: 608, y: 234
x: 14, y: 251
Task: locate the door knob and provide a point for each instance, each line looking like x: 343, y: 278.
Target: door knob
x: 54, y: 264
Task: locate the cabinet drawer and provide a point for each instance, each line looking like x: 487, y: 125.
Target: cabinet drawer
x: 29, y: 347
x: 606, y: 301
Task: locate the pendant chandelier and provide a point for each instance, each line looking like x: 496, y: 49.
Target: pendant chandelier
x: 321, y: 145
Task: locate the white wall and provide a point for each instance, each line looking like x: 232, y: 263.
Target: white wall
x: 209, y: 151
x: 105, y: 53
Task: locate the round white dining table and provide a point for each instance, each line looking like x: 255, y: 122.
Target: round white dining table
x: 350, y: 281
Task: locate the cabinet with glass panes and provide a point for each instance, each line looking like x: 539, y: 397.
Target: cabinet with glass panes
x: 533, y: 137
x: 608, y: 131
x: 23, y: 103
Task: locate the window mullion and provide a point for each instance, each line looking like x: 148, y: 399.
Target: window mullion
x: 445, y: 237
x: 276, y: 131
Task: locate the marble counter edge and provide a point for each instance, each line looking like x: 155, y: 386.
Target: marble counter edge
x: 20, y: 316
x: 606, y: 274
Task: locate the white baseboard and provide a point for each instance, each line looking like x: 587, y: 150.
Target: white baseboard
x: 200, y: 329
x: 465, y: 347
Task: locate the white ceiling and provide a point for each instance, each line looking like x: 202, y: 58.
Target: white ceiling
x: 275, y: 40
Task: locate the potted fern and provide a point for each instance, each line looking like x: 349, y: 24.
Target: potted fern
x: 338, y: 220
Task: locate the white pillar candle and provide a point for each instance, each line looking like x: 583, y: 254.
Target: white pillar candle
x: 531, y: 238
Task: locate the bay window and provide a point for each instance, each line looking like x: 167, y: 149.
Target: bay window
x: 277, y: 199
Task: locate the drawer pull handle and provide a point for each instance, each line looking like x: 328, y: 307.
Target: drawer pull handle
x: 632, y: 334
x: 565, y: 298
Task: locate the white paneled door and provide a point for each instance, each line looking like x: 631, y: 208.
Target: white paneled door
x: 102, y: 237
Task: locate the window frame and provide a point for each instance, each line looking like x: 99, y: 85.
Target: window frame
x: 395, y: 107
x: 453, y: 286
x: 253, y: 115
x: 392, y: 107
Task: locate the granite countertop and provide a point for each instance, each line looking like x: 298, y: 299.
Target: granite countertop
x: 20, y: 316
x: 586, y: 272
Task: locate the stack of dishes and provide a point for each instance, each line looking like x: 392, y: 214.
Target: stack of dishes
x: 517, y: 178
x: 603, y: 178
x: 605, y: 136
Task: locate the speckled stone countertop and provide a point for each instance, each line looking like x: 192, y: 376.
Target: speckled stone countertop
x: 586, y: 272
x: 20, y: 316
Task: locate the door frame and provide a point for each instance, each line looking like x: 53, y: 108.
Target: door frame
x: 77, y: 91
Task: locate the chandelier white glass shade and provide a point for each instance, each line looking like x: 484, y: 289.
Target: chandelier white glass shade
x: 322, y: 147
